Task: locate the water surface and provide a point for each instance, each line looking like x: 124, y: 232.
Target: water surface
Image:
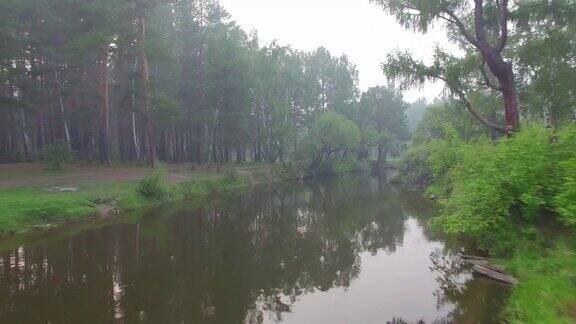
x: 342, y: 250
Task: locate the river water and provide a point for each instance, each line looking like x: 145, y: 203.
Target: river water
x: 342, y: 250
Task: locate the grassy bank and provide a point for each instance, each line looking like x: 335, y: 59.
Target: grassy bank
x: 516, y: 198
x: 546, y: 292
x: 35, y: 207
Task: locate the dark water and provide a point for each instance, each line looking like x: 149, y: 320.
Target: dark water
x: 344, y: 250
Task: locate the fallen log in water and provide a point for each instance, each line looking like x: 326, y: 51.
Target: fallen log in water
x: 494, y: 275
x: 482, y: 266
x: 472, y: 257
x: 486, y: 264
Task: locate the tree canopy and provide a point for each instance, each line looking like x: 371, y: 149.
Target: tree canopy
x: 175, y: 81
x: 501, y: 42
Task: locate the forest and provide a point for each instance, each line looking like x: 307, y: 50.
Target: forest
x: 175, y: 81
x: 165, y: 82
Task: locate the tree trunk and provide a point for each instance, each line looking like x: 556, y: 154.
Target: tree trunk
x: 145, y: 75
x: 62, y: 109
x: 133, y: 102
x: 105, y: 145
x: 501, y: 69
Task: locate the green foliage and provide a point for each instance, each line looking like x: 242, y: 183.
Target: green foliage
x: 57, y: 154
x: 154, y: 186
x: 547, y: 290
x: 26, y: 208
x: 415, y: 113
x: 384, y: 109
x: 540, y: 46
x: 414, y: 169
x: 545, y: 43
x: 426, y: 166
x: 330, y: 141
x: 369, y: 138
x: 167, y: 111
x: 330, y: 83
x: 565, y: 200
x: 438, y: 114
x: 492, y: 192
x: 198, y: 188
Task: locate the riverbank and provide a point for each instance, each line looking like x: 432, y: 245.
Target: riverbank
x: 514, y: 198
x: 33, y: 199
x: 546, y: 292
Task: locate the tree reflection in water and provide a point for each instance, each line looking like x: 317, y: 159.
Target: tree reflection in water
x: 247, y: 258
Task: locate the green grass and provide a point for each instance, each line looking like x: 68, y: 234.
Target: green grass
x: 30, y: 207
x: 547, y: 289
x: 26, y: 208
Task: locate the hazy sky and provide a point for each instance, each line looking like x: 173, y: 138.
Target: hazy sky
x: 356, y: 28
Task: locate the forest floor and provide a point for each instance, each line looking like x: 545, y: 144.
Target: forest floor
x: 33, y: 198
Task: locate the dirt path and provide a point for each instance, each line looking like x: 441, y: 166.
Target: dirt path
x: 32, y: 174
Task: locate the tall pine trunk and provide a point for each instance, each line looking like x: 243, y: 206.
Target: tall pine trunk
x: 105, y: 134
x: 145, y: 76
x: 62, y: 109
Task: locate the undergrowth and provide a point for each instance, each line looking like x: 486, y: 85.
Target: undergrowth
x: 512, y: 197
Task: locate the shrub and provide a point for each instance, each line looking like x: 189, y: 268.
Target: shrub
x: 492, y: 181
x: 414, y: 168
x: 154, y: 185
x: 494, y: 191
x: 232, y: 176
x: 426, y: 166
x: 565, y: 200
x: 57, y: 154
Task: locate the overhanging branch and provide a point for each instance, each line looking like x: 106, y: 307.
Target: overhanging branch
x: 471, y: 109
x: 468, y: 105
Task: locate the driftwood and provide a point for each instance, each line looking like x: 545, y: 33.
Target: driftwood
x: 482, y: 266
x: 472, y: 257
x: 494, y: 275
x: 486, y: 264
x: 62, y: 189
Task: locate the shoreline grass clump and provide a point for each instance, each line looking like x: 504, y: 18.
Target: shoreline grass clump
x: 154, y: 186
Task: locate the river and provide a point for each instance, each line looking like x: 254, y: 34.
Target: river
x: 349, y: 249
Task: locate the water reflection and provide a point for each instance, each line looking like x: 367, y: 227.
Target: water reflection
x: 341, y: 250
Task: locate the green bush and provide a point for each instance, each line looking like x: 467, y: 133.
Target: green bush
x: 154, y: 185
x: 493, y: 180
x: 415, y: 170
x: 427, y: 166
x: 565, y: 200
x: 56, y: 154
x: 494, y: 191
x: 232, y: 176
